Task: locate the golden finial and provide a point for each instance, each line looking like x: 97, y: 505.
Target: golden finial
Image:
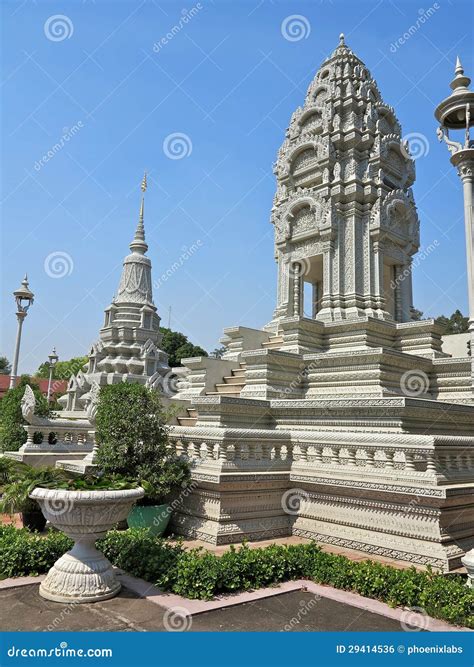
x: 144, y: 183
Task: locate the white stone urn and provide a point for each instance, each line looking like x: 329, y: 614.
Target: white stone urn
x: 83, y: 574
x: 468, y: 562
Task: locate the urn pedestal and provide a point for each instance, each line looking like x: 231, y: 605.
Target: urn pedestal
x: 83, y: 574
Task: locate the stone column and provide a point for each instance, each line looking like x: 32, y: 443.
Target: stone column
x: 397, y: 292
x: 316, y: 298
x: 327, y: 275
x: 297, y: 289
x: 378, y: 274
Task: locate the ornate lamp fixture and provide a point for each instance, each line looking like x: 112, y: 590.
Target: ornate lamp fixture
x: 52, y: 361
x: 24, y: 298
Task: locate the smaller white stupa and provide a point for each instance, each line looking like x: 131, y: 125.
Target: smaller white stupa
x: 128, y: 349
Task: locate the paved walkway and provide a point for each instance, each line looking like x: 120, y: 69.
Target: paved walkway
x: 23, y: 609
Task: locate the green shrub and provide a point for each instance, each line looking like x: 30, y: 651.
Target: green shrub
x: 133, y: 441
x: 138, y: 552
x: 23, y: 553
x: 199, y: 574
x: 12, y: 434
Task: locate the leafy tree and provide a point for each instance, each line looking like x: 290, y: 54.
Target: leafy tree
x: 455, y: 324
x: 218, y: 352
x: 133, y: 441
x: 416, y: 314
x: 178, y: 347
x: 13, y: 435
x: 62, y: 370
x: 5, y: 366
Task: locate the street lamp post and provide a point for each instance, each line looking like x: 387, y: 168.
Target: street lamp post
x: 456, y: 112
x: 52, y: 360
x: 24, y: 298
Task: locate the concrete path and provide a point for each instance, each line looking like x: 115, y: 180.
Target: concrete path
x: 23, y: 609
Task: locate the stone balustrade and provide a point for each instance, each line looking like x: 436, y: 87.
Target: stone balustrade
x: 57, y: 437
x: 448, y: 463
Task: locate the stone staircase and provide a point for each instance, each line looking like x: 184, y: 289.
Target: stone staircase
x: 232, y: 385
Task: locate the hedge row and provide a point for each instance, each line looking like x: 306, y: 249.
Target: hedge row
x: 198, y: 574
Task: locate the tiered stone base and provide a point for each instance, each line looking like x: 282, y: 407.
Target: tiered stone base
x: 389, y: 477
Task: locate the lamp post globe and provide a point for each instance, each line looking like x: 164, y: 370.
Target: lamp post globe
x: 52, y: 361
x: 24, y: 298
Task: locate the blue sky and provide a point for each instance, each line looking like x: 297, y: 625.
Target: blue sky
x: 228, y: 80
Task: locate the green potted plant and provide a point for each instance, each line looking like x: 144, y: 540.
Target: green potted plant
x: 21, y: 479
x: 133, y: 442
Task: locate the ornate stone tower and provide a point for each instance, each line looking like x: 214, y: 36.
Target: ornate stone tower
x: 129, y: 342
x: 346, y: 225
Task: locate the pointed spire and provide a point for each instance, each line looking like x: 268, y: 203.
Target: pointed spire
x: 138, y: 244
x: 459, y: 81
x: 341, y: 39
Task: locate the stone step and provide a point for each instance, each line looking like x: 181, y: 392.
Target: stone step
x: 235, y: 394
x: 192, y: 412
x: 229, y: 388
x: 274, y: 342
x: 238, y: 372
x: 234, y: 379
